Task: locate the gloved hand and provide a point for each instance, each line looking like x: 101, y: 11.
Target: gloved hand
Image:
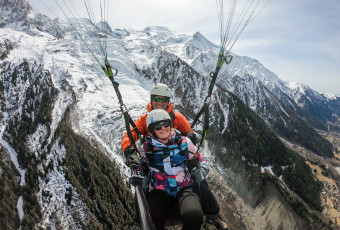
x: 142, y: 181
x: 193, y: 138
x: 192, y: 163
x: 199, y: 173
x: 131, y: 156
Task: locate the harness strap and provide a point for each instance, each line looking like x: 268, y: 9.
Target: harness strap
x: 127, y: 118
x: 172, y: 115
x: 205, y: 108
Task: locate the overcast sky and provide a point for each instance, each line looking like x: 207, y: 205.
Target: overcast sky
x: 298, y: 40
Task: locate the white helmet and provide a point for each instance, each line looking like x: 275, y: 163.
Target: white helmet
x: 161, y: 90
x: 156, y: 116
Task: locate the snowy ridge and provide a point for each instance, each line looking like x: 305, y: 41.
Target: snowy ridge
x: 19, y: 15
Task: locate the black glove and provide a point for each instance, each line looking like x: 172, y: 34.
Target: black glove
x: 131, y: 156
x: 192, y: 163
x: 142, y: 181
x: 193, y: 138
x: 199, y: 173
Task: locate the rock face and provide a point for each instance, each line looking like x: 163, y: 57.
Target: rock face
x: 270, y: 211
x: 275, y: 213
x: 20, y: 15
x: 5, y: 47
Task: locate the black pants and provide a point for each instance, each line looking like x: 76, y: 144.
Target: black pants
x: 187, y: 202
x: 208, y: 201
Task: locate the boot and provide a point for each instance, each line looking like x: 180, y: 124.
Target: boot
x: 217, y: 221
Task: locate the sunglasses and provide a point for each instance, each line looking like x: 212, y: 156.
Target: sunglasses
x: 164, y: 124
x: 163, y: 99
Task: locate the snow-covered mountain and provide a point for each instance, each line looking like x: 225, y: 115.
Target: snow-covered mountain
x: 21, y: 16
x: 61, y: 121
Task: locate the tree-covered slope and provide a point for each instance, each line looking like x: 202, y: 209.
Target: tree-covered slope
x: 98, y: 181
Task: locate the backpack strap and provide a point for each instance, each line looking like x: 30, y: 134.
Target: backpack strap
x: 172, y: 115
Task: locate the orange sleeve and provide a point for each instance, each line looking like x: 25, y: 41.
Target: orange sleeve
x: 181, y: 123
x: 141, y: 126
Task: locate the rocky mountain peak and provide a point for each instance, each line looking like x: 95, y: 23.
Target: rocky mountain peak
x: 14, y: 13
x: 203, y: 40
x: 19, y: 14
x: 104, y: 27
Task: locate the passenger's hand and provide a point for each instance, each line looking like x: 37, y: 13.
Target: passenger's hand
x: 130, y: 155
x: 142, y: 181
x: 193, y: 138
x: 199, y: 174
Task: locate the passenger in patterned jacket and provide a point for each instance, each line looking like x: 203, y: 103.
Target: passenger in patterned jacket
x: 174, y: 166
